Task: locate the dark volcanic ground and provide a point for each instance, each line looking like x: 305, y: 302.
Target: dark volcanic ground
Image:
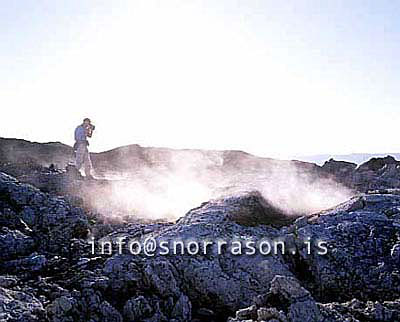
x: 48, y: 271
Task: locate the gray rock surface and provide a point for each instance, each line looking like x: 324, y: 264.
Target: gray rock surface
x: 377, y: 173
x: 20, y: 306
x: 342, y: 264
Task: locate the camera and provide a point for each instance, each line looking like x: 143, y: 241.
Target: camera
x: 89, y: 130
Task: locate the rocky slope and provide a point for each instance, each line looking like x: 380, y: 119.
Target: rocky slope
x: 23, y: 158
x: 357, y: 158
x: 377, y: 173
x: 49, y: 271
x: 62, y: 260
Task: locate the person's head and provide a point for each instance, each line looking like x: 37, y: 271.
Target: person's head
x: 86, y: 121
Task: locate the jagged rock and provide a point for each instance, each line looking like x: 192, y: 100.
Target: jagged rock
x: 8, y: 281
x: 31, y: 264
x: 356, y: 310
x: 65, y: 308
x: 339, y: 168
x: 43, y: 246
x: 8, y: 218
x: 75, y: 306
x: 182, y: 310
x: 53, y: 222
x: 109, y: 313
x: 249, y: 313
x: 160, y: 275
x: 137, y: 309
x: 377, y: 173
x: 61, y: 307
x: 359, y: 244
x: 288, y: 301
x: 298, y: 302
x: 13, y: 243
x: 376, y: 164
x: 252, y: 209
x: 209, y: 280
x: 20, y: 306
x: 270, y: 314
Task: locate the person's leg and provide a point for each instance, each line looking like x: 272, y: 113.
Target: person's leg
x: 79, y: 157
x: 88, y: 164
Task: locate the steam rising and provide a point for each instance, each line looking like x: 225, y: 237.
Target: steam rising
x: 181, y: 180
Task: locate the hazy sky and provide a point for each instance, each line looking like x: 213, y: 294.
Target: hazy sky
x: 274, y: 78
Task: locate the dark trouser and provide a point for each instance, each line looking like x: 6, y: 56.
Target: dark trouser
x: 82, y: 158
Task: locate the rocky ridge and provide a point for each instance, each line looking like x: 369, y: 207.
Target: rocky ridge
x: 48, y: 271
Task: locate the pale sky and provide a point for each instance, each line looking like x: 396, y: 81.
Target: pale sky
x: 273, y: 78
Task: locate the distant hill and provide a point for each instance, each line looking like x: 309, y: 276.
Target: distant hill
x: 20, y: 151
x: 297, y: 186
x: 357, y: 158
x: 132, y: 158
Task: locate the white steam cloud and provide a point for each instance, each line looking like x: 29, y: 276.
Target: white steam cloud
x: 185, y: 179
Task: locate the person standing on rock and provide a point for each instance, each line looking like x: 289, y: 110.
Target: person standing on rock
x: 82, y: 156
